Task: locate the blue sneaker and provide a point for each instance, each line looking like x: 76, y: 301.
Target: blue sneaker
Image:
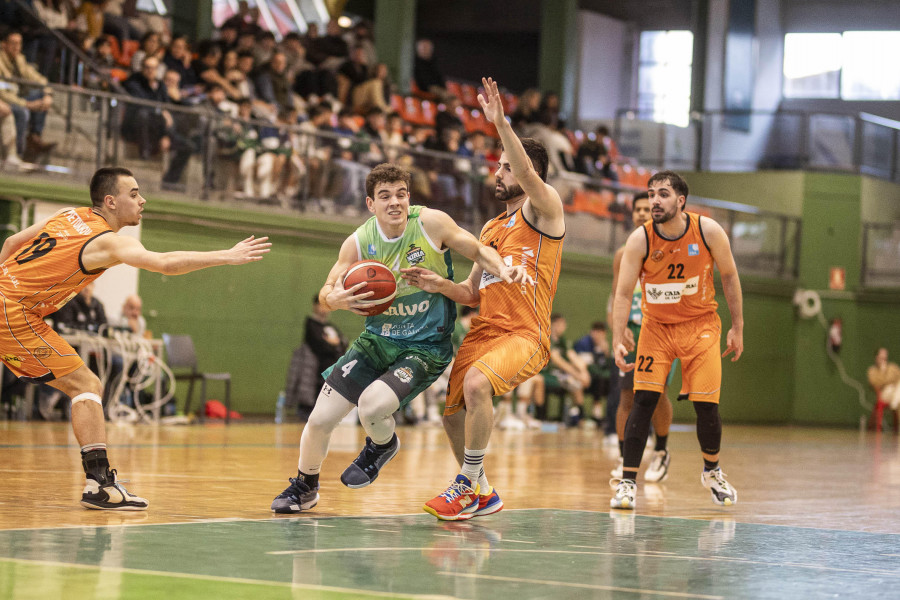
x: 488, y: 504
x: 365, y: 468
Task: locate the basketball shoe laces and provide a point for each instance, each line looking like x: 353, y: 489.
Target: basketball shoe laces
x: 719, y: 478
x: 456, y: 489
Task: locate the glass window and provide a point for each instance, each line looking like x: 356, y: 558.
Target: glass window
x: 866, y: 74
x: 664, y: 75
x: 812, y: 65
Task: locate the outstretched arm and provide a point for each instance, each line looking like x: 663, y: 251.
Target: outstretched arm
x: 731, y: 284
x: 466, y: 292
x: 544, y: 199
x: 113, y: 249
x: 442, y: 227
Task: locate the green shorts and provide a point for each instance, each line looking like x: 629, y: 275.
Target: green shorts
x: 407, y: 368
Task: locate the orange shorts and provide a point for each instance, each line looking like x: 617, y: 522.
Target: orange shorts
x: 506, y: 358
x: 695, y: 342
x: 30, y: 348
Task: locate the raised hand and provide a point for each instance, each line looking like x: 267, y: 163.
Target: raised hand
x: 249, y: 250
x: 490, y: 101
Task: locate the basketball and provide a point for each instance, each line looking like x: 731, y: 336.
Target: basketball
x: 378, y: 279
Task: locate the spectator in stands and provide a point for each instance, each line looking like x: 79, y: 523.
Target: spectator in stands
x: 527, y: 111
x: 98, y: 76
x: 357, y: 87
x: 206, y: 69
x: 264, y: 47
x: 383, y: 74
x: 42, y: 46
x: 273, y: 85
x: 84, y: 312
x: 449, y: 116
x: 178, y: 58
x: 376, y: 125
x: 565, y: 373
x: 548, y: 111
x: 90, y: 18
x: 118, y: 19
x: 152, y: 128
x: 316, y: 152
x: 228, y: 36
x: 150, y: 46
x: 295, y: 54
x: 240, y: 78
x: 426, y: 74
x: 310, y: 81
x: 593, y: 349
x: 8, y: 154
x: 362, y: 37
x: 132, y: 317
x: 328, y: 51
x: 246, y: 42
x: 245, y: 20
x: 29, y: 104
x: 593, y: 158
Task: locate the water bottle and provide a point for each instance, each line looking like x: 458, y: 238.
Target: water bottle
x: 279, y: 407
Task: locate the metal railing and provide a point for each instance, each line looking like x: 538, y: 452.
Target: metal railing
x: 324, y: 172
x: 747, y: 141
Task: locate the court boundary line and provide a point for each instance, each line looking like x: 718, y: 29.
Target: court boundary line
x: 219, y: 578
x: 312, y: 517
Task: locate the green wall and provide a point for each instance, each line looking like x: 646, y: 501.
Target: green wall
x: 248, y: 319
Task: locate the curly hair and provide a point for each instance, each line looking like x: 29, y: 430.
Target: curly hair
x: 385, y: 173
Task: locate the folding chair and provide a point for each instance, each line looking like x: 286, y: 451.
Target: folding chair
x: 180, y: 354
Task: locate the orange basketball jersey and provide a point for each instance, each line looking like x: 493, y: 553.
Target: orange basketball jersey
x: 521, y: 308
x: 46, y: 272
x: 677, y: 276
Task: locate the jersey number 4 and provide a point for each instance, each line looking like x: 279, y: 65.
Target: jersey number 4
x: 41, y: 245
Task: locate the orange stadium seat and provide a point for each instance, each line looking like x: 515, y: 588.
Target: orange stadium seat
x: 129, y: 47
x: 114, y: 47
x: 428, y: 111
x: 420, y: 93
x: 469, y: 95
x: 119, y: 75
x: 397, y: 103
x: 453, y: 87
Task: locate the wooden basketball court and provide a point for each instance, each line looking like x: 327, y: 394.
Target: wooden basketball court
x: 817, y: 515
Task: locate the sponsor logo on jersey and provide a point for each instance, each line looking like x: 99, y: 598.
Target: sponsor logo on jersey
x: 527, y: 251
x: 488, y: 279
x: 691, y: 286
x: 512, y: 221
x: 404, y: 374
x: 399, y: 309
x: 40, y: 352
x: 12, y: 359
x: 667, y: 293
x: 657, y: 255
x: 693, y: 249
x: 415, y: 255
x: 372, y: 251
x: 386, y: 329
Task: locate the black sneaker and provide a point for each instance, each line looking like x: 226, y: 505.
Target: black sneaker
x: 364, y: 469
x: 110, y: 495
x: 296, y: 498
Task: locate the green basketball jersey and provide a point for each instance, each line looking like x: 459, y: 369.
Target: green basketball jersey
x: 415, y: 315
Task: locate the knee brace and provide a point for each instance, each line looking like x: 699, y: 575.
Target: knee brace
x: 709, y: 427
x: 637, y: 428
x: 87, y: 396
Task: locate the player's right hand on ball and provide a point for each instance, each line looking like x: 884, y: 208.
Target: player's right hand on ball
x: 341, y: 298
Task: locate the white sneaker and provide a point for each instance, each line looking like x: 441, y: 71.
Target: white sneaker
x: 625, y: 492
x: 512, y: 423
x: 723, y: 493
x: 610, y: 439
x: 620, y: 467
x: 658, y: 469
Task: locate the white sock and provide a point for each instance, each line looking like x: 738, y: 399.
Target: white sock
x: 472, y: 464
x: 484, y: 487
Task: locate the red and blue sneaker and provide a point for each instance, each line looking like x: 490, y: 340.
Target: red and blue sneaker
x: 488, y: 503
x: 457, y: 503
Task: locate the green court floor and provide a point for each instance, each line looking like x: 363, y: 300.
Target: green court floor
x: 520, y: 554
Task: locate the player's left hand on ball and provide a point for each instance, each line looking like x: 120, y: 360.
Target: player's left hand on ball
x: 250, y: 249
x: 734, y: 342
x: 516, y: 274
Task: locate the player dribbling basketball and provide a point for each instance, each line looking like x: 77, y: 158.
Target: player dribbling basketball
x: 401, y: 351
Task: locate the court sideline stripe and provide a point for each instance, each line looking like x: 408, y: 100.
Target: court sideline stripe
x: 586, y: 586
x: 240, y: 580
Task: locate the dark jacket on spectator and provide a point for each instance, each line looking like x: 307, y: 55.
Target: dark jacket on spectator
x: 427, y: 74
x: 188, y: 76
